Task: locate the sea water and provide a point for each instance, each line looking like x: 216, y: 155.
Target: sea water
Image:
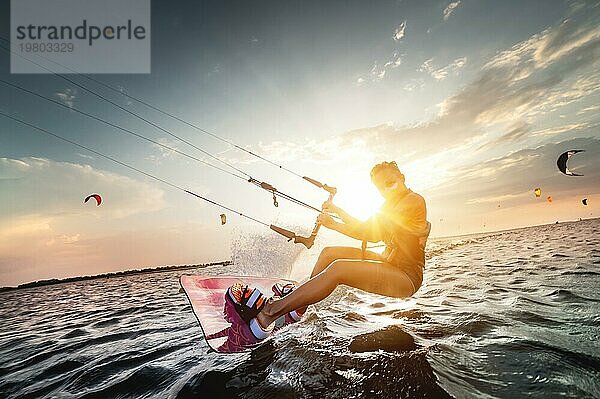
x: 500, y: 315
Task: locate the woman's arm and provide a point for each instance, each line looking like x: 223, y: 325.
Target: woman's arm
x: 352, y: 227
x: 347, y: 218
x: 329, y: 207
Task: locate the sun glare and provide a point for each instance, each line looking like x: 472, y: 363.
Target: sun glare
x: 360, y: 199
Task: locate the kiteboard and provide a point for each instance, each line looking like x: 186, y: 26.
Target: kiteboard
x: 220, y: 324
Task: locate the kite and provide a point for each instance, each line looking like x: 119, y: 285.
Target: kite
x: 223, y: 219
x: 549, y: 199
x: 584, y: 201
x: 96, y: 197
x: 538, y: 192
x: 561, y: 162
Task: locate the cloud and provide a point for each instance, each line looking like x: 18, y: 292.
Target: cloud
x: 450, y: 9
x: 60, y: 187
x: 548, y: 46
x: 442, y: 73
x: 86, y: 156
x: 67, y: 97
x: 517, y: 131
x: 499, y: 191
x: 540, y: 75
x: 495, y: 199
x: 377, y: 73
x: 520, y: 130
x: 552, y: 131
x: 163, y: 151
x: 35, y: 247
x: 215, y: 70
x: 395, y: 62
x: 465, y: 195
x: 591, y: 108
x: 525, y: 169
x: 399, y: 32
x: 47, y: 231
x: 414, y: 84
x: 310, y: 149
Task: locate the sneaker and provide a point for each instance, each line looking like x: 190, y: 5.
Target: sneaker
x: 295, y: 315
x: 247, y: 303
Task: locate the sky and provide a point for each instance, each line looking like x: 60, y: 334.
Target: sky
x: 475, y: 101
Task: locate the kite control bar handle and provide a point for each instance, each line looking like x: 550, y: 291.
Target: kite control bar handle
x: 290, y: 235
x: 309, y: 241
x: 332, y: 190
x: 315, y: 231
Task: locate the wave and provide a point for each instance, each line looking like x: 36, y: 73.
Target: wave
x: 492, y: 310
x: 564, y: 295
x: 560, y: 354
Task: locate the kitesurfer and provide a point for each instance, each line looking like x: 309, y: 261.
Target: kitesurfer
x: 398, y: 272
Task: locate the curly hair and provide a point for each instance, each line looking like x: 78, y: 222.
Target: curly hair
x: 386, y: 165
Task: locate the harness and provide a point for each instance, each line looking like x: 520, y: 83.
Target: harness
x: 394, y: 242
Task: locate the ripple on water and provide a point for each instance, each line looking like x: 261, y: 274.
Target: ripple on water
x: 77, y: 332
x: 532, y: 318
x: 107, y: 323
x: 564, y: 295
x: 409, y: 314
x: 353, y: 316
x: 509, y: 330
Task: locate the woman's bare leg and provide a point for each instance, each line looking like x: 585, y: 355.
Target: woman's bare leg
x: 329, y: 254
x: 371, y: 276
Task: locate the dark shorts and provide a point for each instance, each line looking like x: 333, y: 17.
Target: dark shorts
x: 414, y: 273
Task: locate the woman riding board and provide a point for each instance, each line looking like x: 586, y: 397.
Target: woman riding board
x: 401, y: 224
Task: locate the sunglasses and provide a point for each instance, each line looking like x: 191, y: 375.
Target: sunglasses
x: 389, y: 185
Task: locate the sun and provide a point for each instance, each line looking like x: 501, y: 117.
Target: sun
x: 359, y: 198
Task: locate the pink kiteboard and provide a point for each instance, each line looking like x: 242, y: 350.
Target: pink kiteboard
x: 222, y: 327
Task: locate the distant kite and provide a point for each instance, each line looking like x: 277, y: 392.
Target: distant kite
x: 549, y: 199
x: 561, y: 162
x: 223, y: 219
x: 96, y: 197
x: 584, y: 201
x: 538, y: 192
